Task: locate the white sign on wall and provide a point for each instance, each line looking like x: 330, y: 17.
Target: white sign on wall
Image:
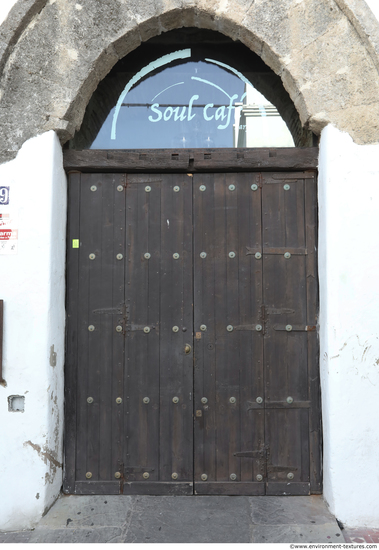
x: 8, y: 233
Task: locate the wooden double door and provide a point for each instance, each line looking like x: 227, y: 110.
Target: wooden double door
x: 191, y: 334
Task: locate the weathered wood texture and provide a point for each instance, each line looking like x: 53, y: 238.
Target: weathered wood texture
x: 228, y: 291
x: 158, y: 293
x: 96, y: 488
x: 117, y: 292
x: 71, y: 362
x: 200, y: 253
x: 158, y: 488
x: 192, y: 160
x: 230, y: 488
x: 291, y: 304
x: 285, y: 489
x: 95, y: 298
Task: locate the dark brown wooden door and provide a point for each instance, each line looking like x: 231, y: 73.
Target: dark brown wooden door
x: 257, y: 423
x: 191, y: 350
x: 129, y: 381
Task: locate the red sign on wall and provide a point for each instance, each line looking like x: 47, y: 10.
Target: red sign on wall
x: 8, y: 234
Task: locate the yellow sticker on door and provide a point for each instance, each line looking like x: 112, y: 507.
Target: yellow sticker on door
x: 75, y: 243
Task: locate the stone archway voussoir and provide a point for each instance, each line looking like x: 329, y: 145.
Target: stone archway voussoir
x: 56, y: 57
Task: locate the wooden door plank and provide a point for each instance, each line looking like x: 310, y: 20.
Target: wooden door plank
x: 286, y: 353
x: 211, y: 160
x: 230, y: 488
x: 288, y: 445
x: 89, y: 341
x: 223, y: 392
x: 96, y: 355
x: 158, y: 488
x: 287, y: 489
x: 134, y: 291
x: 285, y: 291
x: 176, y: 372
x: 104, y: 299
x: 149, y: 380
x: 170, y: 309
x: 183, y: 451
x: 116, y: 274
x: 230, y: 378
x: 250, y: 343
x: 92, y: 224
x: 83, y: 343
x: 97, y: 488
x: 109, y: 298
x: 228, y: 290
x: 73, y: 234
x: 138, y: 208
x: 205, y: 341
x: 142, y: 359
x: 182, y: 443
x: 304, y: 445
x: 313, y: 351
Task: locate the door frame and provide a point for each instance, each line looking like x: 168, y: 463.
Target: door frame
x: 193, y: 161
x: 287, y: 159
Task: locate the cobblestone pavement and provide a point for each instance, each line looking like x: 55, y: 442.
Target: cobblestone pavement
x: 76, y: 519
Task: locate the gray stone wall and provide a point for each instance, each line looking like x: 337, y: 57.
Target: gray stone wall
x: 54, y: 53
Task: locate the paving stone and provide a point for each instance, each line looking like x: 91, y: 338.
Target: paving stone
x: 16, y: 536
x: 70, y: 512
x: 328, y: 532
x: 190, y: 520
x: 79, y: 535
x: 292, y: 510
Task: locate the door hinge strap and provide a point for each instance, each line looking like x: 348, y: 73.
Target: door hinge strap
x: 109, y: 311
x: 250, y: 454
x: 132, y: 328
x: 246, y: 327
x: 295, y: 328
x: 280, y: 251
x: 286, y: 405
x: 278, y: 405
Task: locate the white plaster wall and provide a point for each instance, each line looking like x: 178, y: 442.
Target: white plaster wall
x: 5, y: 7
x: 32, y: 285
x: 374, y: 6
x: 349, y: 320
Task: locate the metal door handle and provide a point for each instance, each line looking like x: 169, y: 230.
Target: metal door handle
x: 187, y: 349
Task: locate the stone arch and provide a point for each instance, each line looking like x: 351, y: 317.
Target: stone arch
x: 204, y: 42
x: 54, y: 60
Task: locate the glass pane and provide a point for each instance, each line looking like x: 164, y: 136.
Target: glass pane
x: 180, y: 102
